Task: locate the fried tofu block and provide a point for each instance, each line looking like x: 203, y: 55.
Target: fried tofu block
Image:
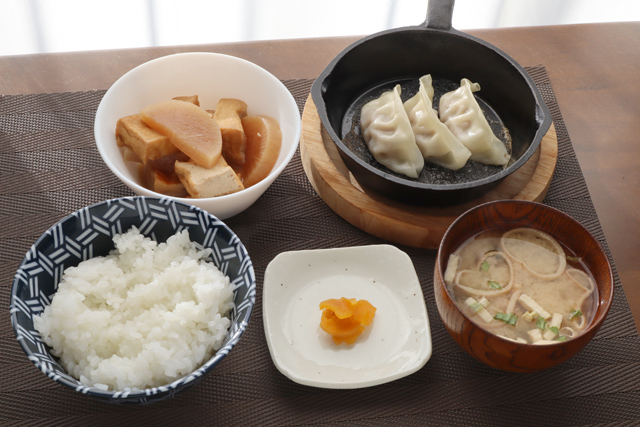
x: 228, y: 115
x: 165, y: 164
x: 139, y: 171
x: 167, y: 184
x: 191, y: 98
x: 201, y: 182
x: 129, y: 155
x: 132, y: 132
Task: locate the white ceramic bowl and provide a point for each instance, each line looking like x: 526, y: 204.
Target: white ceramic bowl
x: 211, y: 76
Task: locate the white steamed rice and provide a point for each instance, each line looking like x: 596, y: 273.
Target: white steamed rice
x: 143, y: 316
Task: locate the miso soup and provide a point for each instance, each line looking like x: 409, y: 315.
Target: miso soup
x: 523, y: 285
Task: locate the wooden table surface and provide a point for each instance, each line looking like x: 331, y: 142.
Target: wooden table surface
x: 594, y: 71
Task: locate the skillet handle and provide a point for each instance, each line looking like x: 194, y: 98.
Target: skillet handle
x: 439, y: 14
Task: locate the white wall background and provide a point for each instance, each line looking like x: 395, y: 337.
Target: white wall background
x: 34, y: 26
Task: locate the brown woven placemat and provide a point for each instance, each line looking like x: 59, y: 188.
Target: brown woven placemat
x: 50, y: 167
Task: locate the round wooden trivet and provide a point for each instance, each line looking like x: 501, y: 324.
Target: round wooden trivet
x: 416, y: 226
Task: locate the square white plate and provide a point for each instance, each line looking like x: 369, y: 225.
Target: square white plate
x: 396, y: 344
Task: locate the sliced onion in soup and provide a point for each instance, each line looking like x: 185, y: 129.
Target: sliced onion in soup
x: 538, y: 252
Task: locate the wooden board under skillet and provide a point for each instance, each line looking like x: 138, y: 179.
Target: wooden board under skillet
x: 416, y: 226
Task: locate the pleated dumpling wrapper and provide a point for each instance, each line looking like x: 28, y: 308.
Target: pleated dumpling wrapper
x: 387, y: 131
x: 434, y: 139
x: 460, y: 111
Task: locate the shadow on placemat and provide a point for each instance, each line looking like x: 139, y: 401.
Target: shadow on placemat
x: 50, y: 167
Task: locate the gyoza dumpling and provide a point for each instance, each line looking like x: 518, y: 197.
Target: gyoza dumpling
x: 460, y: 111
x: 387, y: 132
x: 434, y: 139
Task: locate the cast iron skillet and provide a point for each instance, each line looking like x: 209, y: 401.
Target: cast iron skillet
x: 508, y: 96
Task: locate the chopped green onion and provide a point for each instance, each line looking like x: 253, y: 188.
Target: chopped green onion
x: 575, y: 313
x: 554, y: 329
x: 508, y: 318
x: 573, y: 258
x: 485, y: 266
x: 561, y: 338
x: 476, y: 306
x: 541, y: 323
x: 494, y: 285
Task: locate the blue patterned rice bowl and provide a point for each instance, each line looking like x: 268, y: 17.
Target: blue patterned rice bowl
x: 88, y: 233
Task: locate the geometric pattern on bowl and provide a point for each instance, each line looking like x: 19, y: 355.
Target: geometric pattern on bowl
x: 89, y: 232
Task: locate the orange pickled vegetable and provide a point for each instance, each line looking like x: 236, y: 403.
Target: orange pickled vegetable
x: 344, y: 319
